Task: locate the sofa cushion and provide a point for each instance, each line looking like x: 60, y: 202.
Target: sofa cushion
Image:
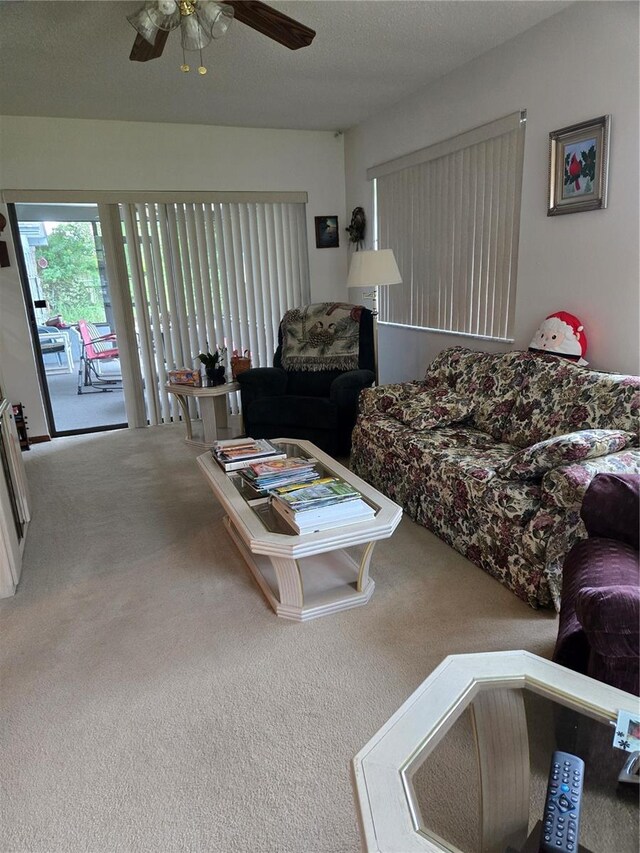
x: 421, y: 447
x: 532, y: 462
x: 310, y: 383
x: 560, y: 397
x: 445, y: 368
x: 502, y: 499
x: 429, y: 409
x: 382, y: 397
x: 492, y: 381
x: 295, y: 411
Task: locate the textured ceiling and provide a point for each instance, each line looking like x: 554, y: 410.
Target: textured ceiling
x: 71, y: 59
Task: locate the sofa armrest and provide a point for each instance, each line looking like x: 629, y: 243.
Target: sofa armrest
x: 611, y: 508
x: 345, y: 388
x: 566, y: 485
x: 610, y: 618
x: 259, y: 382
x: 382, y: 397
x: 609, y: 610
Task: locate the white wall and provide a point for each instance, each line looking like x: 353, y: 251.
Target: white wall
x: 577, y: 65
x: 19, y: 376
x: 69, y: 154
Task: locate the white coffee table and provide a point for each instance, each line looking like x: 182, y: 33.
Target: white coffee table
x: 303, y: 577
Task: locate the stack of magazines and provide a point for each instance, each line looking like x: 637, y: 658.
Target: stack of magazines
x: 271, y: 473
x: 235, y: 453
x: 320, y: 505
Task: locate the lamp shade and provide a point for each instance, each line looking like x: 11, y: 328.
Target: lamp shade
x: 373, y: 268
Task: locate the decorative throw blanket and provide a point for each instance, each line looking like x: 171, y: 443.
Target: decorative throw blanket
x: 323, y: 336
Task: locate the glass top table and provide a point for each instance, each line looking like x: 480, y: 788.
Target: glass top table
x: 463, y: 765
x: 312, y: 574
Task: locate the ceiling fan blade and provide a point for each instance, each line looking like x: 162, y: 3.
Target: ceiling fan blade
x: 269, y: 22
x: 142, y: 51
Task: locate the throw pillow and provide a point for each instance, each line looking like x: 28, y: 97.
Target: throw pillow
x: 532, y: 462
x: 432, y: 409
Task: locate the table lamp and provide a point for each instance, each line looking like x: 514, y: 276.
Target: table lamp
x: 374, y: 268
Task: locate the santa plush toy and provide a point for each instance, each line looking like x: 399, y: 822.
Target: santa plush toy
x: 561, y: 334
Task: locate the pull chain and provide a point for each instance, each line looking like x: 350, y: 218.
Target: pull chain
x: 185, y: 66
x: 201, y: 67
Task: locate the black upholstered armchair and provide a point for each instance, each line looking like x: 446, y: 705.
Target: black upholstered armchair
x: 321, y: 365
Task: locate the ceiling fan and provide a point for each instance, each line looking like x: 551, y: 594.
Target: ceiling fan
x: 202, y: 20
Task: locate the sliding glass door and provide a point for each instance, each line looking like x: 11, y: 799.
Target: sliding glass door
x: 69, y: 303
x: 121, y: 291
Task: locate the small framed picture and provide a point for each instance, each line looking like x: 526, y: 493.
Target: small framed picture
x: 627, y: 735
x: 327, y: 232
x: 579, y: 167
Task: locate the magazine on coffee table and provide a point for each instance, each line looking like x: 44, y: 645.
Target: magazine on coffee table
x: 234, y: 454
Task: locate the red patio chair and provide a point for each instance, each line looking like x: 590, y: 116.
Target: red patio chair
x: 97, y: 349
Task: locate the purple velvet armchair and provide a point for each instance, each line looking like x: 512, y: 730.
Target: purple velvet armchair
x: 600, y: 606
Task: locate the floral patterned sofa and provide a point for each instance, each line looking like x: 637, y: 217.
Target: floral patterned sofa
x: 494, y: 453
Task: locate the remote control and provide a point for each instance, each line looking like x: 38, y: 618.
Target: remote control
x: 561, y: 824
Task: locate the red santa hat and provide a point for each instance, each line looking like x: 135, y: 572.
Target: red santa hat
x: 561, y: 333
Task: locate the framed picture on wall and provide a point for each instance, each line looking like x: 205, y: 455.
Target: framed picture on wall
x: 327, y: 232
x: 579, y: 167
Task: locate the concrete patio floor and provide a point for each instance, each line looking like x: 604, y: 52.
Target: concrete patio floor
x: 92, y: 408
x: 97, y: 408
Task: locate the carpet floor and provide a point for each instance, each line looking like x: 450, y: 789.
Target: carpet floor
x: 152, y: 701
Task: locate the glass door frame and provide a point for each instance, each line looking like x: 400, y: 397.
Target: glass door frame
x: 35, y: 338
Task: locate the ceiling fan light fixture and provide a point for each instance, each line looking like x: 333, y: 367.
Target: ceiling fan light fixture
x: 193, y: 34
x: 214, y: 17
x: 203, y: 20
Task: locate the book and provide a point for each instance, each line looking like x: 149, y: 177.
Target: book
x: 324, y: 518
x: 270, y: 473
x: 232, y: 456
x: 232, y: 444
x: 238, y: 464
x: 184, y: 376
x: 319, y: 494
x: 250, y: 451
x: 328, y: 512
x: 280, y: 466
x: 264, y: 487
x: 241, y: 448
x: 300, y: 483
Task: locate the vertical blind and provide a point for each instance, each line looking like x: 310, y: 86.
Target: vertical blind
x: 211, y: 274
x: 451, y: 214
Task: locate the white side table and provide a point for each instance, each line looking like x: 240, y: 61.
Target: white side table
x: 494, y: 687
x: 213, y: 410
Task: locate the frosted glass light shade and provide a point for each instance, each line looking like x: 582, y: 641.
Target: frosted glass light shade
x: 373, y: 268
x: 165, y: 14
x: 193, y: 35
x: 153, y: 16
x: 214, y: 17
x: 142, y: 24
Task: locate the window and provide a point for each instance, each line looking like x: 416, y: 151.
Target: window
x: 211, y: 274
x: 451, y: 214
